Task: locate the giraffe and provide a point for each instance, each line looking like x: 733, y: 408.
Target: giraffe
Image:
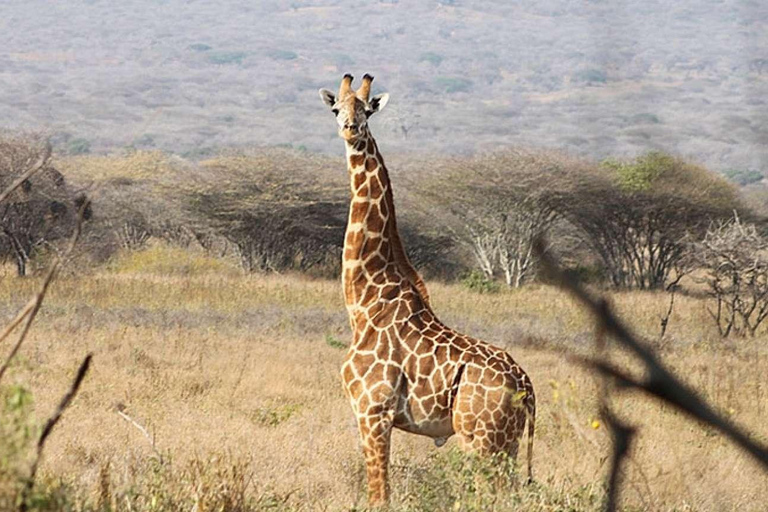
x: 405, y: 369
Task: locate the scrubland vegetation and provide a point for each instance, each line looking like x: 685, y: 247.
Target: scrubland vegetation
x: 204, y: 292
x: 235, y: 379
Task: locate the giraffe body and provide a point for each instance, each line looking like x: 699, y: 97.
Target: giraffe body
x: 405, y: 369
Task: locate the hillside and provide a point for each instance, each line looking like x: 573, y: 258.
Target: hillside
x: 595, y: 78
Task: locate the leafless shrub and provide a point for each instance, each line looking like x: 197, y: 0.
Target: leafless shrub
x: 132, y: 236
x: 734, y: 256
x: 39, y: 210
x: 500, y: 204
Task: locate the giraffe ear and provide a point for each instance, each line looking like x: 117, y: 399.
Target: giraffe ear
x: 378, y: 102
x: 328, y: 97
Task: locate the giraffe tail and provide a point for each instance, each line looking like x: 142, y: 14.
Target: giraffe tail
x: 530, y: 405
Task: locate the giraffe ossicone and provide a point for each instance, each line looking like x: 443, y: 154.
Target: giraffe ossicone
x: 405, y: 369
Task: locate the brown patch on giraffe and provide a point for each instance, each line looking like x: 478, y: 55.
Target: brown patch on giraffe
x: 375, y: 185
x: 417, y: 323
x: 356, y: 160
x: 367, y: 341
x: 461, y: 343
x: 358, y: 179
x: 363, y: 403
x: 382, y: 351
x: 371, y: 293
x: 429, y: 405
x: 371, y: 148
x: 351, y: 278
x: 384, y: 317
x: 375, y: 264
x: 370, y: 246
x: 375, y: 221
x: 375, y: 373
x: 362, y: 362
x: 402, y: 312
x: 393, y: 372
x: 359, y: 285
x: 371, y: 164
x: 351, y: 253
x: 379, y: 279
x: 359, y: 211
x: 360, y: 145
x: 354, y: 237
x: 355, y: 388
x: 426, y: 365
x: 390, y: 292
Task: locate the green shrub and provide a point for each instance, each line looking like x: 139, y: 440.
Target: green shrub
x: 433, y: 58
x: 282, y: 55
x: 478, y: 282
x: 590, y: 76
x: 227, y: 57
x: 453, y: 480
x: 645, y: 118
x: 333, y: 342
x: 78, y: 147
x: 743, y: 177
x: 200, y: 47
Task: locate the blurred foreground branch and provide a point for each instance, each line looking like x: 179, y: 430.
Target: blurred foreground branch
x: 52, y: 421
x: 39, y: 164
x: 31, y: 309
x: 658, y: 381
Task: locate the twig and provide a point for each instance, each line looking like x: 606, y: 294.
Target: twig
x: 120, y: 408
x: 21, y: 315
x: 39, y: 164
x: 658, y: 381
x: 52, y: 421
x: 33, y: 307
x: 665, y: 318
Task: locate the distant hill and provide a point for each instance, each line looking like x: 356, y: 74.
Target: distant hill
x: 597, y: 77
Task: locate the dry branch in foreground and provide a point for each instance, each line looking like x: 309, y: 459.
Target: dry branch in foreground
x: 658, y: 381
x: 31, y: 309
x: 48, y: 428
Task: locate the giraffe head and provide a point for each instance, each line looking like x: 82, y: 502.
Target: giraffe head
x: 353, y: 108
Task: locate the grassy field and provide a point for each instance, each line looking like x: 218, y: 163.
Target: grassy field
x: 235, y: 379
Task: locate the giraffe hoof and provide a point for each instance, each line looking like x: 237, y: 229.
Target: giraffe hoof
x: 440, y: 441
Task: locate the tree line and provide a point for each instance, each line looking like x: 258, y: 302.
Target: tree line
x: 642, y: 223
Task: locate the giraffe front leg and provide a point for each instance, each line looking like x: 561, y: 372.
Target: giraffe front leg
x: 375, y: 434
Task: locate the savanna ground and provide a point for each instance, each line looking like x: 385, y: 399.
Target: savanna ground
x: 235, y: 378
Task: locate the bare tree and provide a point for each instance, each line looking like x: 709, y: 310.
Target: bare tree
x: 280, y: 209
x: 500, y: 204
x: 40, y: 210
x: 734, y: 256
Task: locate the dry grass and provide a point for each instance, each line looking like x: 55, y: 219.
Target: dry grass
x: 236, y: 379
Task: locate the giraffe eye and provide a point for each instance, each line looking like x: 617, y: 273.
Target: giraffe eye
x: 335, y: 111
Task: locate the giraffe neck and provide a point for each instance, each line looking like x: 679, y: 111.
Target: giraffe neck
x: 373, y: 252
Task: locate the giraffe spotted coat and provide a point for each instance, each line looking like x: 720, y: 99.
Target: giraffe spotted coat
x: 405, y: 369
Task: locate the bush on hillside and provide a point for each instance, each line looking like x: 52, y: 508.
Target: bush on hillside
x: 639, y: 216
